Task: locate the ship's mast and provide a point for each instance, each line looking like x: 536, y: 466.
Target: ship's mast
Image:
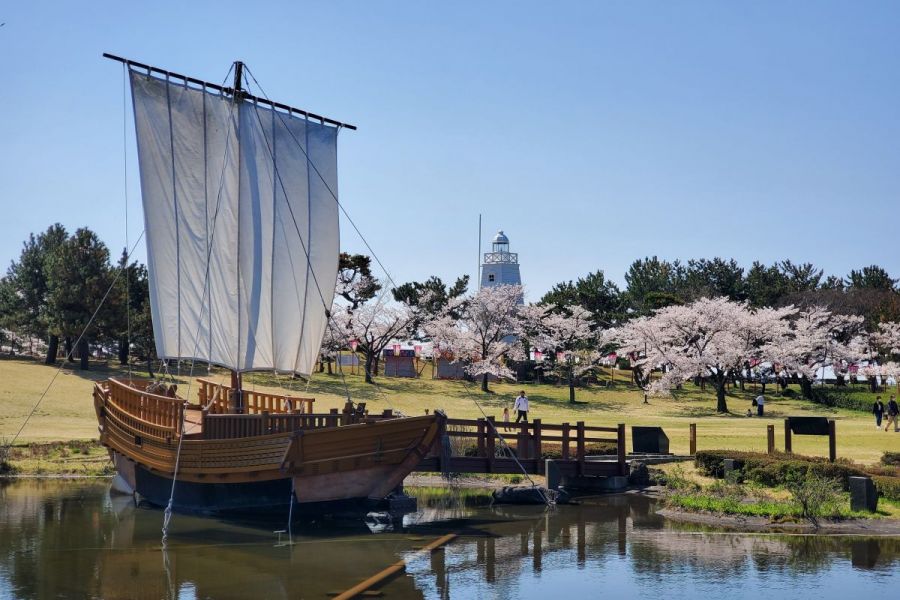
x: 236, y: 401
x: 238, y: 75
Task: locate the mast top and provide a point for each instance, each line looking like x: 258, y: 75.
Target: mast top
x: 238, y: 76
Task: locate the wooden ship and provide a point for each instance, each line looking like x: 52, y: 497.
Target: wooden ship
x: 241, y: 222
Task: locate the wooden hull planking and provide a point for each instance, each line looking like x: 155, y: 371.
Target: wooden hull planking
x: 363, y: 461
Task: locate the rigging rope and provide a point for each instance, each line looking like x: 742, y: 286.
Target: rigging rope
x: 547, y: 501
x: 167, y: 514
x: 72, y: 350
x: 312, y: 164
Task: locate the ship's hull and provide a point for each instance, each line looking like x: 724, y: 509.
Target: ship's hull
x: 317, y: 468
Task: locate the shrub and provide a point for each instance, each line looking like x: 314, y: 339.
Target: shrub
x: 6, y: 467
x: 676, y: 480
x: 888, y: 487
x: 843, y: 398
x: 891, y: 459
x: 776, y: 469
x: 813, y: 493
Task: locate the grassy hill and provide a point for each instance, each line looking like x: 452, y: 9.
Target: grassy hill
x: 66, y: 413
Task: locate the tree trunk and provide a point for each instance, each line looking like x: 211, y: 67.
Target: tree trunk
x: 370, y: 359
x: 330, y: 372
x: 806, y: 387
x: 70, y: 357
x: 571, y: 387
x: 52, y: 350
x: 123, y: 350
x: 721, y: 405
x: 763, y: 387
x: 484, y: 383
x: 377, y: 361
x: 150, y: 367
x: 873, y: 384
x: 84, y: 353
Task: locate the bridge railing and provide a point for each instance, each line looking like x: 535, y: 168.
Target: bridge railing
x: 478, y: 439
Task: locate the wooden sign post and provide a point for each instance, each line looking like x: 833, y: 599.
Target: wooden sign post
x: 809, y: 426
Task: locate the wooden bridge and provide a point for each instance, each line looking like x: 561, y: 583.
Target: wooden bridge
x: 579, y: 450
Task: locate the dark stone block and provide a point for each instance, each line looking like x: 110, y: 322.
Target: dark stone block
x: 649, y: 440
x: 862, y: 494
x: 639, y: 475
x: 728, y: 466
x: 551, y: 472
x: 808, y: 425
x: 523, y: 495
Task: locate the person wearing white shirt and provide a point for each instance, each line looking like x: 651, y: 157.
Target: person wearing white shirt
x: 521, y: 407
x: 760, y: 402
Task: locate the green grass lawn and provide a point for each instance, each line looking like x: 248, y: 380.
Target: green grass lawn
x: 67, y: 413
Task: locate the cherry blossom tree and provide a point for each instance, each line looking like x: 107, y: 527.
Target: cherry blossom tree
x: 374, y: 327
x: 818, y: 338
x: 709, y: 338
x: 565, y: 333
x: 481, y: 329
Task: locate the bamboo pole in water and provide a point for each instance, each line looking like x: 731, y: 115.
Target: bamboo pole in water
x: 392, y: 570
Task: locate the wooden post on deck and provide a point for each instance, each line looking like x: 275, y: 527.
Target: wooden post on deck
x: 770, y: 439
x: 536, y: 432
x: 620, y: 443
x: 265, y: 422
x: 693, y: 439
x: 787, y: 436
x: 832, y: 441
x: 565, y: 441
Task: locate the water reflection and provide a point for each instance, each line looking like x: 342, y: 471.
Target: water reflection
x: 72, y: 540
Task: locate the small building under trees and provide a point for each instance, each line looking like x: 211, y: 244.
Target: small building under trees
x: 400, y: 362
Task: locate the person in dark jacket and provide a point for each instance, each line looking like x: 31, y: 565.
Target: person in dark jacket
x: 893, y: 413
x: 878, y: 411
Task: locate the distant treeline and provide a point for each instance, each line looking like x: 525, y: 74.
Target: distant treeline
x: 653, y: 283
x: 55, y: 287
x: 52, y: 290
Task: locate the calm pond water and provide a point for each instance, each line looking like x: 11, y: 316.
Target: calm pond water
x: 71, y: 539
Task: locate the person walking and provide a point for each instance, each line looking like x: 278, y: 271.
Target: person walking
x: 893, y: 412
x: 521, y: 407
x: 878, y: 411
x: 760, y: 402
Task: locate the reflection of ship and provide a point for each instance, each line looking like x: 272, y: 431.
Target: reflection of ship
x: 241, y: 219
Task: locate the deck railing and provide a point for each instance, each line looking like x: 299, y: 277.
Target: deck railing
x: 215, y: 396
x: 225, y: 426
x: 133, y: 402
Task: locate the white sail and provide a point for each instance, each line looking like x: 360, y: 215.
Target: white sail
x: 242, y: 229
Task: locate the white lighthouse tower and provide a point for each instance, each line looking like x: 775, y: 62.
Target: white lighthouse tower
x: 500, y: 266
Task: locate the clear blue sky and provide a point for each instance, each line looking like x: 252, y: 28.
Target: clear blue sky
x: 593, y: 133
